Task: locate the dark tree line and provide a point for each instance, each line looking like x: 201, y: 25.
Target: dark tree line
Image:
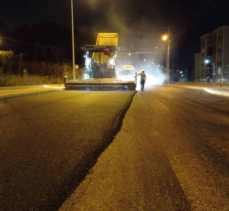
x: 16, y: 57
x: 43, y: 34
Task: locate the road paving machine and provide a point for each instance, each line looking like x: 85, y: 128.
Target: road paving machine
x: 102, y: 68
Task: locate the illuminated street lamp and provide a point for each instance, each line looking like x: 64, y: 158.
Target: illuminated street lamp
x: 73, y: 43
x: 129, y: 54
x: 165, y: 38
x: 144, y: 60
x: 208, y: 61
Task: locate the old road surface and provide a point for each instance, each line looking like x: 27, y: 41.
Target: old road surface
x: 172, y: 153
x: 90, y: 151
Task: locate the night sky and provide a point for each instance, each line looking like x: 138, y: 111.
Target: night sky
x: 140, y: 23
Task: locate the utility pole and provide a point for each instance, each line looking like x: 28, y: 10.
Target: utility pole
x: 173, y: 69
x: 168, y: 64
x: 73, y: 43
x: 168, y: 56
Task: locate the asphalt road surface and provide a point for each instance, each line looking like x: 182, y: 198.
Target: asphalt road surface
x: 172, y: 153
x: 48, y: 143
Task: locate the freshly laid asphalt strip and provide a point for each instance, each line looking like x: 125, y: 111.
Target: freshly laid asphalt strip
x: 50, y: 141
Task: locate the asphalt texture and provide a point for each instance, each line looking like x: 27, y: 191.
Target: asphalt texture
x: 49, y: 142
x: 172, y: 153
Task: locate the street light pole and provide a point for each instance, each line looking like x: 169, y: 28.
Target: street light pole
x: 73, y: 43
x: 167, y: 64
x: 213, y: 72
x: 166, y: 38
x: 207, y: 61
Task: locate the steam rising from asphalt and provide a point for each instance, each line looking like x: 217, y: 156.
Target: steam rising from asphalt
x: 119, y: 16
x: 154, y: 77
x: 134, y: 32
x: 122, y: 16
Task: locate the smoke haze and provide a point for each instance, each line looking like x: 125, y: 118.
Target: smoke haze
x: 134, y: 32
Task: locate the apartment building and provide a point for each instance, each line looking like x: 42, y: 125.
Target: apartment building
x: 197, y: 66
x: 215, y: 49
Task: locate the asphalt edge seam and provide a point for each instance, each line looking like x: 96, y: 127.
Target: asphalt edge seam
x: 89, y: 161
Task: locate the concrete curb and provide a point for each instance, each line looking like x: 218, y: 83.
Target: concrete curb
x: 209, y: 89
x: 28, y: 87
x: 215, y: 92
x: 200, y: 84
x: 27, y: 94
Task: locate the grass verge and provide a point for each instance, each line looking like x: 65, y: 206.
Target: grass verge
x: 17, y: 80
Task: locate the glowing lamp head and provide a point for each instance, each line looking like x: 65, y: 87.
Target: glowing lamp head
x: 207, y: 61
x: 165, y: 37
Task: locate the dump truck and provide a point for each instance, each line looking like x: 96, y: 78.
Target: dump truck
x: 102, y: 71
